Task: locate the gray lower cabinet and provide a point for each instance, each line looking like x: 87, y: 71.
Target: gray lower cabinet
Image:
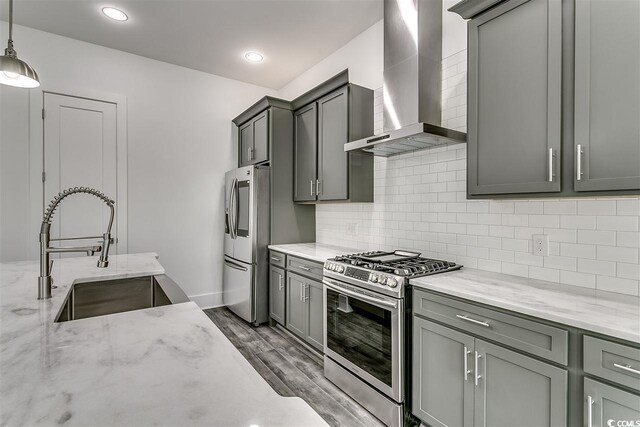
x: 442, y: 381
x: 253, y: 140
x: 277, y: 294
x: 607, y: 95
x: 516, y: 390
x: 603, y: 403
x: 304, y: 314
x: 459, y: 380
x: 514, y: 111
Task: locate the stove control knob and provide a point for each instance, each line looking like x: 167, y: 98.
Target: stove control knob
x: 392, y: 283
x: 382, y: 280
x: 339, y: 268
x: 373, y: 278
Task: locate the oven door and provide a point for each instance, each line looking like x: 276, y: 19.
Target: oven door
x: 363, y: 332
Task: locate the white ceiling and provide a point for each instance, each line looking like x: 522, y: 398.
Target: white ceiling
x: 211, y: 35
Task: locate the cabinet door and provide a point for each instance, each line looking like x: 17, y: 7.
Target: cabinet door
x: 607, y: 95
x: 260, y: 138
x: 514, y: 98
x: 516, y: 390
x: 277, y: 294
x: 333, y: 133
x: 305, y: 152
x: 603, y: 403
x: 313, y: 297
x: 297, y: 314
x: 245, y: 144
x: 442, y: 375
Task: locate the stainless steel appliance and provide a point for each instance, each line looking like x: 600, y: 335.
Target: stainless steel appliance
x: 364, y: 300
x: 245, y: 273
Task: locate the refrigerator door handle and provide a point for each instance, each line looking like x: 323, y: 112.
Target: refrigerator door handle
x: 232, y: 201
x: 235, y: 266
x: 236, y: 203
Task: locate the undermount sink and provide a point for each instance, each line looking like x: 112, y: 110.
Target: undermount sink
x: 98, y: 298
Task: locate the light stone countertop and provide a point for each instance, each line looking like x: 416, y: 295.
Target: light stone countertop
x: 607, y: 313
x: 163, y: 366
x: 313, y: 251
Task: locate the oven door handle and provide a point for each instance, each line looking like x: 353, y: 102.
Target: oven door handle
x: 360, y: 296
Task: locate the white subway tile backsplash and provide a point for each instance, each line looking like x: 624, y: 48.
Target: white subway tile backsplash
x: 420, y: 204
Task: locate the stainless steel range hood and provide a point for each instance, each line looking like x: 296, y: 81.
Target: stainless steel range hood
x: 412, y: 87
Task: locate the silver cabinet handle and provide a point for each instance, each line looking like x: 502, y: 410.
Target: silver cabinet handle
x: 305, y: 294
x: 302, y: 267
x: 301, y: 291
x: 475, y: 365
x: 318, y: 187
x: 276, y: 259
x: 627, y: 368
x: 280, y: 283
x: 590, y: 402
x: 250, y: 153
x: 579, y: 162
x: 552, y: 156
x: 468, y: 319
x: 311, y: 191
x: 467, y: 352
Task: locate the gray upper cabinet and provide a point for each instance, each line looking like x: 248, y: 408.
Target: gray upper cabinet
x: 323, y: 170
x: 514, y: 111
x: 603, y: 403
x: 607, y: 95
x: 305, y: 153
x: 442, y: 380
x: 253, y: 140
x: 277, y: 293
x: 333, y: 133
x: 516, y: 390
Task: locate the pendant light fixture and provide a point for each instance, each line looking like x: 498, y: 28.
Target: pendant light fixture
x: 14, y: 72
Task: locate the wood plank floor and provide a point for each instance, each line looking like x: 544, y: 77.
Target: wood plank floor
x: 291, y: 369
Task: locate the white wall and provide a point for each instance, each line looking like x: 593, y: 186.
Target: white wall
x: 179, y: 146
x: 420, y: 199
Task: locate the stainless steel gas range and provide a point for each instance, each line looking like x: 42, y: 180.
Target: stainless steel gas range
x: 364, y: 324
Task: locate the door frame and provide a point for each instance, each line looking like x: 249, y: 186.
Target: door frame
x: 36, y: 160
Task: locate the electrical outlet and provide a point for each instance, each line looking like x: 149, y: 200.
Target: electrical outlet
x: 541, y: 245
x: 352, y: 229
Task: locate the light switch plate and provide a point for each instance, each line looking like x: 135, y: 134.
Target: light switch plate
x: 541, y: 245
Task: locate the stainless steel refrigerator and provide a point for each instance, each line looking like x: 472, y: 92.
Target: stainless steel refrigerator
x: 245, y: 274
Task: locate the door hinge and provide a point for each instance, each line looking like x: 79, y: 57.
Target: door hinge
x: 44, y: 176
x: 43, y: 114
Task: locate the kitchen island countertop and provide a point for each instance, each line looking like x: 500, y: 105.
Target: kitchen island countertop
x: 163, y: 366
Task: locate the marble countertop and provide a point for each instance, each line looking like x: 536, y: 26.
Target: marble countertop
x: 598, y: 311
x: 163, y: 366
x: 313, y: 251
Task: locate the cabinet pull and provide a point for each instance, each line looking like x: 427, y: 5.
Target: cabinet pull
x: 590, y: 402
x: 250, y: 153
x: 301, y: 292
x: 627, y: 368
x: 552, y: 156
x: 280, y: 283
x: 475, y: 365
x: 275, y: 258
x: 467, y: 352
x: 302, y: 267
x: 579, y: 162
x: 468, y: 319
x: 318, y: 191
x: 311, y: 191
x: 305, y: 294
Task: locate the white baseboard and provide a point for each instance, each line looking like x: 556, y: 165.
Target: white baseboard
x: 210, y: 300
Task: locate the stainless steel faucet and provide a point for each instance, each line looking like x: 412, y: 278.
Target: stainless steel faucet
x: 45, y: 281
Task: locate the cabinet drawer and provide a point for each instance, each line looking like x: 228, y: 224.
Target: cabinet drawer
x: 612, y: 361
x: 305, y: 267
x: 540, y: 340
x: 277, y: 259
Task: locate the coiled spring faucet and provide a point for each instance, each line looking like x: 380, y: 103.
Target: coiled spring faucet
x: 44, y: 280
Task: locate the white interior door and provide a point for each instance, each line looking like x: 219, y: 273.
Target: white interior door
x: 80, y: 140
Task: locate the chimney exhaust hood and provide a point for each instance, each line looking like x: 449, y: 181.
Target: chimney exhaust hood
x: 412, y: 87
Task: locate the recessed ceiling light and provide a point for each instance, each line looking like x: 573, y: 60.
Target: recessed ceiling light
x: 115, y: 14
x: 253, y: 57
